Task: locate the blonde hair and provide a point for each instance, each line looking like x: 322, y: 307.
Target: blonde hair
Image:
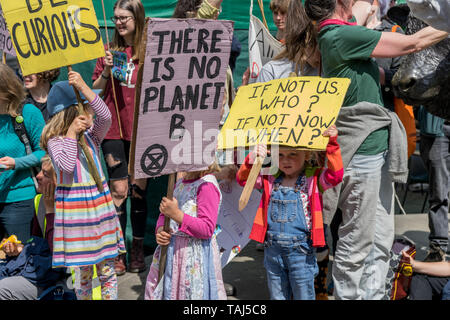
x: 11, y: 89
x: 137, y: 9
x: 300, y: 37
x: 213, y: 168
x: 58, y: 125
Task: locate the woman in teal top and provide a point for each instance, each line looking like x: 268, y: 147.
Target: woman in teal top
x: 17, y: 188
x: 367, y: 132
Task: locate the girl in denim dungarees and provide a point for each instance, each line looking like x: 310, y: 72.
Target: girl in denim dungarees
x: 289, y: 219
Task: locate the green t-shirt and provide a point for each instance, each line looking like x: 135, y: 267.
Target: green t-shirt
x: 346, y: 53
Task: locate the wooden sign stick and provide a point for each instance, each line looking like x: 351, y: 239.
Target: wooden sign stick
x: 111, y: 75
x: 251, y: 180
x: 163, y: 255
x: 82, y: 142
x: 261, y: 7
x: 137, y: 100
x: 4, y: 58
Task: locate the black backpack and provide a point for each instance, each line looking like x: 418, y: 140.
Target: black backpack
x: 19, y: 128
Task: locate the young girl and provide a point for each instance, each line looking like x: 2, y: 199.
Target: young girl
x: 87, y: 231
x: 289, y: 218
x: 193, y: 270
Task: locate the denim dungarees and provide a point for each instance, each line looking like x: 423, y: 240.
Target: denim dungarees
x: 289, y: 257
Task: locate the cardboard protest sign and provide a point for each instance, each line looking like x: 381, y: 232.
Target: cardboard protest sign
x: 6, y: 45
x: 233, y: 227
x: 290, y: 112
x: 48, y: 34
x: 262, y: 46
x: 182, y: 90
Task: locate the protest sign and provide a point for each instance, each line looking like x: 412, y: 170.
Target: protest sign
x: 181, y: 95
x: 52, y: 33
x: 262, y: 46
x: 6, y: 45
x: 233, y: 227
x: 287, y: 112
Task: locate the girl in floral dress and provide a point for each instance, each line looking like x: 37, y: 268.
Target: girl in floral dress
x: 193, y: 269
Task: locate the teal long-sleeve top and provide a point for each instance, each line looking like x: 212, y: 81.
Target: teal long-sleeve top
x: 17, y: 185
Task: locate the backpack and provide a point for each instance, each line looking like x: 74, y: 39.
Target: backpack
x: 20, y: 130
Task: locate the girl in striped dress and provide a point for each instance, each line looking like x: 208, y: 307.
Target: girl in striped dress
x: 87, y: 231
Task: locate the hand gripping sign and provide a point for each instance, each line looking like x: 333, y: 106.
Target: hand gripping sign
x: 291, y: 112
x: 49, y: 34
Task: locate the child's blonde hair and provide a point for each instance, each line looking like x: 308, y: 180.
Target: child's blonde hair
x: 213, y: 168
x: 58, y: 125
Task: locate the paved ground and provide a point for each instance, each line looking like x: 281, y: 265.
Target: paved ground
x: 246, y: 271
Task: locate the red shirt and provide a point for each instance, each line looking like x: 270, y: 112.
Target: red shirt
x: 125, y: 100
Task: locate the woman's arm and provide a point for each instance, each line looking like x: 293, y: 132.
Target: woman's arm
x: 102, y: 72
x: 393, y: 44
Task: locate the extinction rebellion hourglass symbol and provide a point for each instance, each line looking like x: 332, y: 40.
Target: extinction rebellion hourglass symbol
x: 154, y: 159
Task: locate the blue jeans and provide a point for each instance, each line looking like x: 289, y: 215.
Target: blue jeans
x: 16, y: 218
x: 291, y: 269
x: 289, y: 258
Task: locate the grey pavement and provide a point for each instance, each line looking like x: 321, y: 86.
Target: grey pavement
x: 246, y: 271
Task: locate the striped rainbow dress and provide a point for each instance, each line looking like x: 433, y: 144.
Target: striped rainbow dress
x: 87, y: 229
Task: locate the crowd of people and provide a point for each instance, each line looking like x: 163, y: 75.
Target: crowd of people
x: 73, y: 221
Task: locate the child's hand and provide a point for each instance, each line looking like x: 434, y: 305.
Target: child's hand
x: 170, y: 209
x: 163, y: 237
x: 410, y: 259
x: 330, y: 132
x: 259, y: 150
x: 8, y: 162
x: 79, y: 124
x: 76, y: 80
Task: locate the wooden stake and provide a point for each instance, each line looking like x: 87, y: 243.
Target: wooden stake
x: 261, y: 6
x: 137, y: 100
x: 4, y: 58
x: 82, y: 142
x: 163, y: 255
x: 111, y: 75
x: 251, y: 180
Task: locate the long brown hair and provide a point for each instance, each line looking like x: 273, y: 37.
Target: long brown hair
x: 300, y: 36
x: 137, y: 9
x: 11, y: 89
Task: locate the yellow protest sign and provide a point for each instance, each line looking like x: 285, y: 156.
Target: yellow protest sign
x: 48, y: 34
x: 290, y: 112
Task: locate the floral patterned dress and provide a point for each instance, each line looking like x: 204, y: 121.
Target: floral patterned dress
x: 193, y: 269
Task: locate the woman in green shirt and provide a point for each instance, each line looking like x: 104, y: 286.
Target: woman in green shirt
x: 373, y: 144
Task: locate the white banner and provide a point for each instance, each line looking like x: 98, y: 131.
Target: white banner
x: 262, y: 46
